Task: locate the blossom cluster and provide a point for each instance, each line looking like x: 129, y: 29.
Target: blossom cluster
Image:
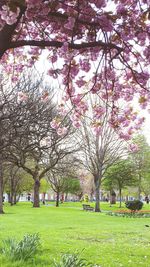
x: 9, y: 16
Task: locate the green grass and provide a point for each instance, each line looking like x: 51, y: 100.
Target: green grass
x: 107, y: 241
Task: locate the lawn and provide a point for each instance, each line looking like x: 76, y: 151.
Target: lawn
x: 104, y: 240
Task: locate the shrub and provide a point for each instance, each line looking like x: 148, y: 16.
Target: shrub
x: 134, y: 205
x: 130, y: 214
x: 73, y: 260
x: 22, y: 250
x: 86, y: 198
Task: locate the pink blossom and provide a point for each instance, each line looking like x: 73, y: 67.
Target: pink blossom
x: 22, y: 97
x: 147, y: 52
x: 99, y: 3
x: 85, y: 65
x: 55, y: 124
x: 75, y: 116
x: 74, y: 71
x: 142, y: 78
x: 97, y: 129
x: 64, y: 48
x: 45, y: 96
x: 140, y: 121
x: 125, y: 136
x: 130, y: 131
x: 62, y: 111
x: 82, y: 107
x: 80, y: 82
x: 77, y: 99
x: 54, y: 58
x: 70, y: 24
x: 10, y: 17
x: 133, y: 148
x: 142, y: 37
x: 62, y: 131
x: 121, y: 10
x: 98, y: 111
x: 105, y: 23
x: 126, y: 123
x: 76, y: 124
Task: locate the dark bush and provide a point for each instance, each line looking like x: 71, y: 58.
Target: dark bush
x: 134, y: 205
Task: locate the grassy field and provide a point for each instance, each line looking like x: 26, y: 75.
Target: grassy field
x: 105, y: 240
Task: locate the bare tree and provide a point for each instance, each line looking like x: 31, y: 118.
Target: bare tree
x: 16, y: 181
x: 100, y: 150
x: 61, y: 174
x: 6, y: 101
x: 36, y: 145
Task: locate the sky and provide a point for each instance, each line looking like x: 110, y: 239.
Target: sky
x: 146, y: 126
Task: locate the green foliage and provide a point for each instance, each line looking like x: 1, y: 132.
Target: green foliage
x: 44, y: 186
x: 22, y: 250
x: 72, y: 185
x: 72, y: 260
x: 141, y: 158
x: 120, y: 175
x: 134, y: 205
x: 21, y: 180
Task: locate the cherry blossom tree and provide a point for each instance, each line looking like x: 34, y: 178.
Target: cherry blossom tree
x: 102, y: 42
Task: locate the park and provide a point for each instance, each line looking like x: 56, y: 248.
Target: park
x: 74, y: 133
x: 101, y: 239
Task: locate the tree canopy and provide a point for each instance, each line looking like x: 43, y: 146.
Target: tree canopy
x: 108, y: 40
x: 120, y: 175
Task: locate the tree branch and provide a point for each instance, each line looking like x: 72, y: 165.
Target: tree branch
x: 57, y: 44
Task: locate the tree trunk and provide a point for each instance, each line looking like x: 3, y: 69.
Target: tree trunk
x: 120, y: 198
x: 15, y: 198
x: 62, y: 198
x: 36, y: 201
x: 139, y: 187
x: 9, y: 197
x: 57, y: 199
x: 1, y: 190
x: 43, y: 198
x: 1, y: 198
x: 112, y: 197
x: 97, y: 194
x: 66, y: 197
x: 91, y: 195
x: 11, y: 192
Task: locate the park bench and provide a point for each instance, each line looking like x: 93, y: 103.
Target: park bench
x: 87, y: 207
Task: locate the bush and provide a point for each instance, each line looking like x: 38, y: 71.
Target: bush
x: 73, y: 260
x: 86, y: 198
x: 130, y: 214
x: 22, y: 250
x: 134, y: 205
